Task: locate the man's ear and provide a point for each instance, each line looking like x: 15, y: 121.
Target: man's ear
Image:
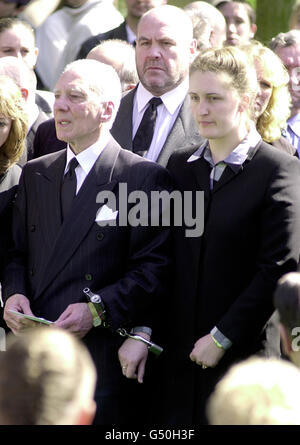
x: 25, y: 93
x: 285, y: 339
x: 193, y: 50
x: 253, y: 29
x: 107, y: 111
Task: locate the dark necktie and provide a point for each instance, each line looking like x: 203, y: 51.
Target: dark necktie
x: 142, y: 139
x: 68, y: 188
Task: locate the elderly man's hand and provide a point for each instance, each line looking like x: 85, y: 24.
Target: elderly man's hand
x: 77, y: 318
x: 18, y: 303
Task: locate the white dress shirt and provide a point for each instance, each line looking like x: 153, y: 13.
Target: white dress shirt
x: 86, y: 160
x: 293, y: 131
x: 167, y: 113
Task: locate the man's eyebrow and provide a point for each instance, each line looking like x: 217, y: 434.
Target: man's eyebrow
x: 158, y: 39
x: 144, y: 38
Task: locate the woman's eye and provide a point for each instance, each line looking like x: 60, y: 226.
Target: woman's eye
x: 194, y: 97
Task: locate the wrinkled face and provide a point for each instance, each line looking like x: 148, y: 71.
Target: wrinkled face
x: 77, y: 111
x: 163, y: 55
x: 5, y: 126
x: 214, y: 104
x: 8, y: 9
x: 290, y: 57
x: 265, y: 90
x: 18, y: 42
x: 239, y: 28
x: 136, y: 8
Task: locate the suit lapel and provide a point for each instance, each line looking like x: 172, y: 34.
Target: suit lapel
x: 48, y: 183
x: 82, y: 214
x: 200, y: 171
x: 184, y: 133
x: 122, y: 128
x: 121, y: 33
x: 230, y: 173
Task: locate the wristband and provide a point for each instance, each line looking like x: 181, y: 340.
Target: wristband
x: 96, y: 319
x: 217, y: 343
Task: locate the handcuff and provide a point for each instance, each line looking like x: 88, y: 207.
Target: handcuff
x: 157, y: 350
x: 99, y: 315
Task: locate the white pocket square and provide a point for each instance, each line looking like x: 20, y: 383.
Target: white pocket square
x: 105, y: 213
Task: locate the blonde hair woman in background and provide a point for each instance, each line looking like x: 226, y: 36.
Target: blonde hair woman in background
x: 273, y: 101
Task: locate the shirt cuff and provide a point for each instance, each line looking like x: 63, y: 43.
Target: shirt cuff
x: 220, y: 338
x: 144, y: 329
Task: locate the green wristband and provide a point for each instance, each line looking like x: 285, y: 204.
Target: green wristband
x: 216, y: 342
x: 96, y: 319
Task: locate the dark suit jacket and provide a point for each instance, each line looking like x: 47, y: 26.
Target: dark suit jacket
x: 116, y: 33
x: 184, y: 133
x: 227, y: 276
x: 28, y: 153
x: 8, y: 189
x: 53, y: 262
x: 43, y: 104
x: 45, y: 140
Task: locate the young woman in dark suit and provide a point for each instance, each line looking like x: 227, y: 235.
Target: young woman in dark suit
x: 225, y: 278
x: 13, y: 130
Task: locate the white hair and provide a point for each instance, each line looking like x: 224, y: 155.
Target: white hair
x: 101, y: 79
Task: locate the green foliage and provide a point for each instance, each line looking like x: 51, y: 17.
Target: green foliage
x: 272, y: 18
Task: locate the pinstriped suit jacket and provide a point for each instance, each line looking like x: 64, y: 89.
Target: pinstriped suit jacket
x: 53, y: 262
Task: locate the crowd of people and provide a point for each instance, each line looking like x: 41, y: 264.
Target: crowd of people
x: 100, y: 114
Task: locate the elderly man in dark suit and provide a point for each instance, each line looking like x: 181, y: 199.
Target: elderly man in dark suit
x: 69, y: 234
x: 163, y: 57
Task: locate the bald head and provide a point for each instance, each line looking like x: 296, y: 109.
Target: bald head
x: 121, y: 56
x: 97, y: 77
x: 171, y: 17
x: 165, y: 48
x: 21, y: 74
x: 212, y: 16
x: 87, y: 97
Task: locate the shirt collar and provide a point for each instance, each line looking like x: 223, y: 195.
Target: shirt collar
x: 236, y: 158
x: 87, y: 158
x: 131, y: 37
x: 294, y: 124
x: 171, y: 100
